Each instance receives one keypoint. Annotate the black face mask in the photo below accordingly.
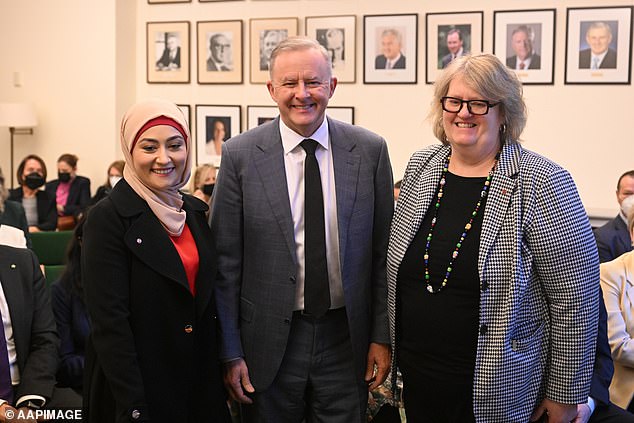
(63, 176)
(208, 189)
(34, 180)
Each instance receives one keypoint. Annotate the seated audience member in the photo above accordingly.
(613, 238)
(28, 348)
(71, 316)
(12, 214)
(617, 282)
(397, 190)
(115, 174)
(71, 191)
(39, 205)
(202, 182)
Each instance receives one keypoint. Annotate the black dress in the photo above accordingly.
(438, 333)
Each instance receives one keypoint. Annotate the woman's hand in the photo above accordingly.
(556, 412)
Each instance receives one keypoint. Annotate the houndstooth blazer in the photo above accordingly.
(539, 280)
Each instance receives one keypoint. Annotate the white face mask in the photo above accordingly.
(627, 205)
(113, 180)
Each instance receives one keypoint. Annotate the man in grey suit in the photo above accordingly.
(290, 362)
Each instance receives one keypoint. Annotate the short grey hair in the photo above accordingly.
(299, 43)
(485, 74)
(392, 31)
(599, 25)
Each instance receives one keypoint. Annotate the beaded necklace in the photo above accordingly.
(474, 213)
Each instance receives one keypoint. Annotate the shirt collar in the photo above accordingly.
(291, 139)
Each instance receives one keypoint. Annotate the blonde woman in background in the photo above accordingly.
(202, 183)
(617, 282)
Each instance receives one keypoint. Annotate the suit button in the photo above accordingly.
(292, 279)
(484, 285)
(287, 321)
(189, 328)
(135, 414)
(483, 329)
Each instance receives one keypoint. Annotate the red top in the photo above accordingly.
(187, 250)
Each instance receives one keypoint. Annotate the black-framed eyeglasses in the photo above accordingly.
(475, 107)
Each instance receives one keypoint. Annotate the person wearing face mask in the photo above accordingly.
(71, 191)
(115, 174)
(14, 230)
(39, 205)
(203, 182)
(613, 239)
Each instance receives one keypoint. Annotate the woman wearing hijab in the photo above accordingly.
(149, 267)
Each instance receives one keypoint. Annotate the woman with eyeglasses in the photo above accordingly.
(492, 267)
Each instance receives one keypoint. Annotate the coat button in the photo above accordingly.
(483, 329)
(293, 279)
(135, 414)
(287, 321)
(139, 240)
(189, 328)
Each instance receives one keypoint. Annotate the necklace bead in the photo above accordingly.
(467, 227)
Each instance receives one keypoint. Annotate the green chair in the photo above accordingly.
(50, 249)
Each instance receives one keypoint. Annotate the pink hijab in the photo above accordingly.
(165, 204)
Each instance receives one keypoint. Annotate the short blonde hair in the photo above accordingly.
(199, 176)
(485, 74)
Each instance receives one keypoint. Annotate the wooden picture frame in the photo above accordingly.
(443, 28)
(265, 35)
(167, 1)
(341, 113)
(258, 115)
(525, 41)
(384, 62)
(208, 118)
(611, 30)
(337, 34)
(167, 52)
(220, 52)
(187, 111)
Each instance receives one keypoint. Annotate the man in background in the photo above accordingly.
(455, 45)
(613, 239)
(220, 53)
(392, 57)
(171, 58)
(522, 44)
(599, 55)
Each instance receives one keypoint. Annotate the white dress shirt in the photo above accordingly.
(294, 157)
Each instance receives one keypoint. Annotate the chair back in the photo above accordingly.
(50, 247)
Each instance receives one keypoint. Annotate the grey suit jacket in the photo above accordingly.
(257, 264)
(32, 321)
(539, 273)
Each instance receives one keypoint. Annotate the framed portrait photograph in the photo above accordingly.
(257, 115)
(525, 41)
(214, 126)
(390, 49)
(341, 113)
(598, 45)
(219, 52)
(187, 111)
(338, 36)
(266, 34)
(450, 35)
(168, 52)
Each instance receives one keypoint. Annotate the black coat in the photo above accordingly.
(152, 352)
(46, 208)
(78, 196)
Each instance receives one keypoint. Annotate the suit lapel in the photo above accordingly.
(420, 193)
(502, 188)
(346, 168)
(268, 159)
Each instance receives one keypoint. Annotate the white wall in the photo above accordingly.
(83, 64)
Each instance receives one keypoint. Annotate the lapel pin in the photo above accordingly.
(139, 240)
(13, 266)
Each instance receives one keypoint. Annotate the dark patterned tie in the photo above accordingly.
(316, 286)
(6, 389)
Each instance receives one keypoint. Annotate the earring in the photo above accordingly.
(503, 128)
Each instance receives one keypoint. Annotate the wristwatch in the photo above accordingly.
(33, 405)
